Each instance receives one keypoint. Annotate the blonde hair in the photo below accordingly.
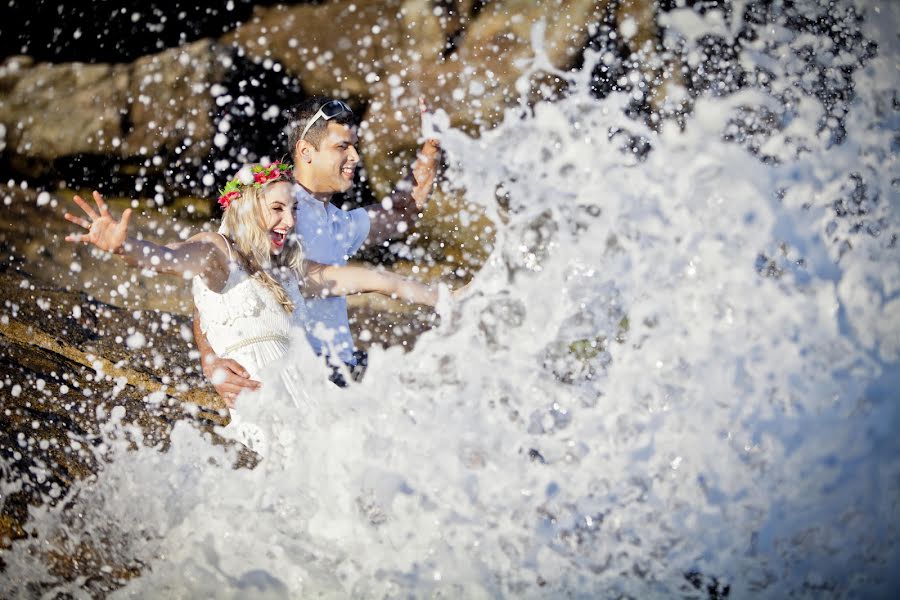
(244, 223)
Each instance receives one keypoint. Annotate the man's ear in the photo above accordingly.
(303, 151)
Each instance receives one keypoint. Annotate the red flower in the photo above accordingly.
(259, 177)
(226, 199)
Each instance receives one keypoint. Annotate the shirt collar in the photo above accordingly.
(303, 196)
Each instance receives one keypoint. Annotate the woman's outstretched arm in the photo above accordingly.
(331, 280)
(199, 255)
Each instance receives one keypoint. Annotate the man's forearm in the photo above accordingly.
(408, 202)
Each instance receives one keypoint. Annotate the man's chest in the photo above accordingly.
(321, 236)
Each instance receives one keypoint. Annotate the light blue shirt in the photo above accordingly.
(330, 236)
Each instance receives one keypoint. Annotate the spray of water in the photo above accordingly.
(672, 368)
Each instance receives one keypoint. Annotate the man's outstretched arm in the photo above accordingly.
(409, 198)
(226, 375)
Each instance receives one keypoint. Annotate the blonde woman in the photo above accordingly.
(247, 279)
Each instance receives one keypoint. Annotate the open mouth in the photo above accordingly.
(278, 237)
(347, 172)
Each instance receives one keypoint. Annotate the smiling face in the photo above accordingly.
(331, 168)
(278, 205)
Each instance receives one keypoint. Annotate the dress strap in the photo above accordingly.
(228, 244)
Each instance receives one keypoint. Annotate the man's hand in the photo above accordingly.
(391, 220)
(228, 378)
(424, 170)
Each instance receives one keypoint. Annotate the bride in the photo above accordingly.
(248, 280)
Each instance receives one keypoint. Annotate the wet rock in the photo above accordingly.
(159, 105)
(53, 110)
(66, 368)
(167, 118)
(169, 101)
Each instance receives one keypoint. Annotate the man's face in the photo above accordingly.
(334, 163)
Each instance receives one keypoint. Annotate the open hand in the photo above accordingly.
(103, 230)
(424, 170)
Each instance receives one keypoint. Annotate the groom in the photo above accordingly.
(322, 137)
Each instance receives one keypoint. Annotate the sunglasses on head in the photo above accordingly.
(327, 111)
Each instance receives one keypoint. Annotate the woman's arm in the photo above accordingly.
(331, 280)
(199, 255)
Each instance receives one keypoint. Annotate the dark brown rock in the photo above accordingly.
(465, 56)
(66, 367)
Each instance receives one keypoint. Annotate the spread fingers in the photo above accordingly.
(100, 203)
(85, 207)
(77, 220)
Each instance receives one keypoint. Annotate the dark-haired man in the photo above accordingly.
(322, 138)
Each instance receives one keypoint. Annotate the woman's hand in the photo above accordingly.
(103, 230)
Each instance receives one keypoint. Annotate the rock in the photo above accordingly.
(466, 59)
(465, 56)
(160, 105)
(65, 370)
(331, 47)
(12, 70)
(42, 123)
(170, 105)
(33, 238)
(66, 360)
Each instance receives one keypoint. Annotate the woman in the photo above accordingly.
(247, 280)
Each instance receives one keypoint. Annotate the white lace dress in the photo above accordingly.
(246, 323)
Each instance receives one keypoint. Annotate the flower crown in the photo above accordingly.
(257, 175)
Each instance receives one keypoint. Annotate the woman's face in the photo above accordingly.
(278, 213)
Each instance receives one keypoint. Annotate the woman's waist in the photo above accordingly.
(234, 344)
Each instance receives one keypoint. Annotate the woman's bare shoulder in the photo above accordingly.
(208, 236)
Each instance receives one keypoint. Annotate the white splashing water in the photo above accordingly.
(628, 396)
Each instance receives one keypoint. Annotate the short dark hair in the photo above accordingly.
(299, 115)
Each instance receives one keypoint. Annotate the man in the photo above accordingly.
(322, 137)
